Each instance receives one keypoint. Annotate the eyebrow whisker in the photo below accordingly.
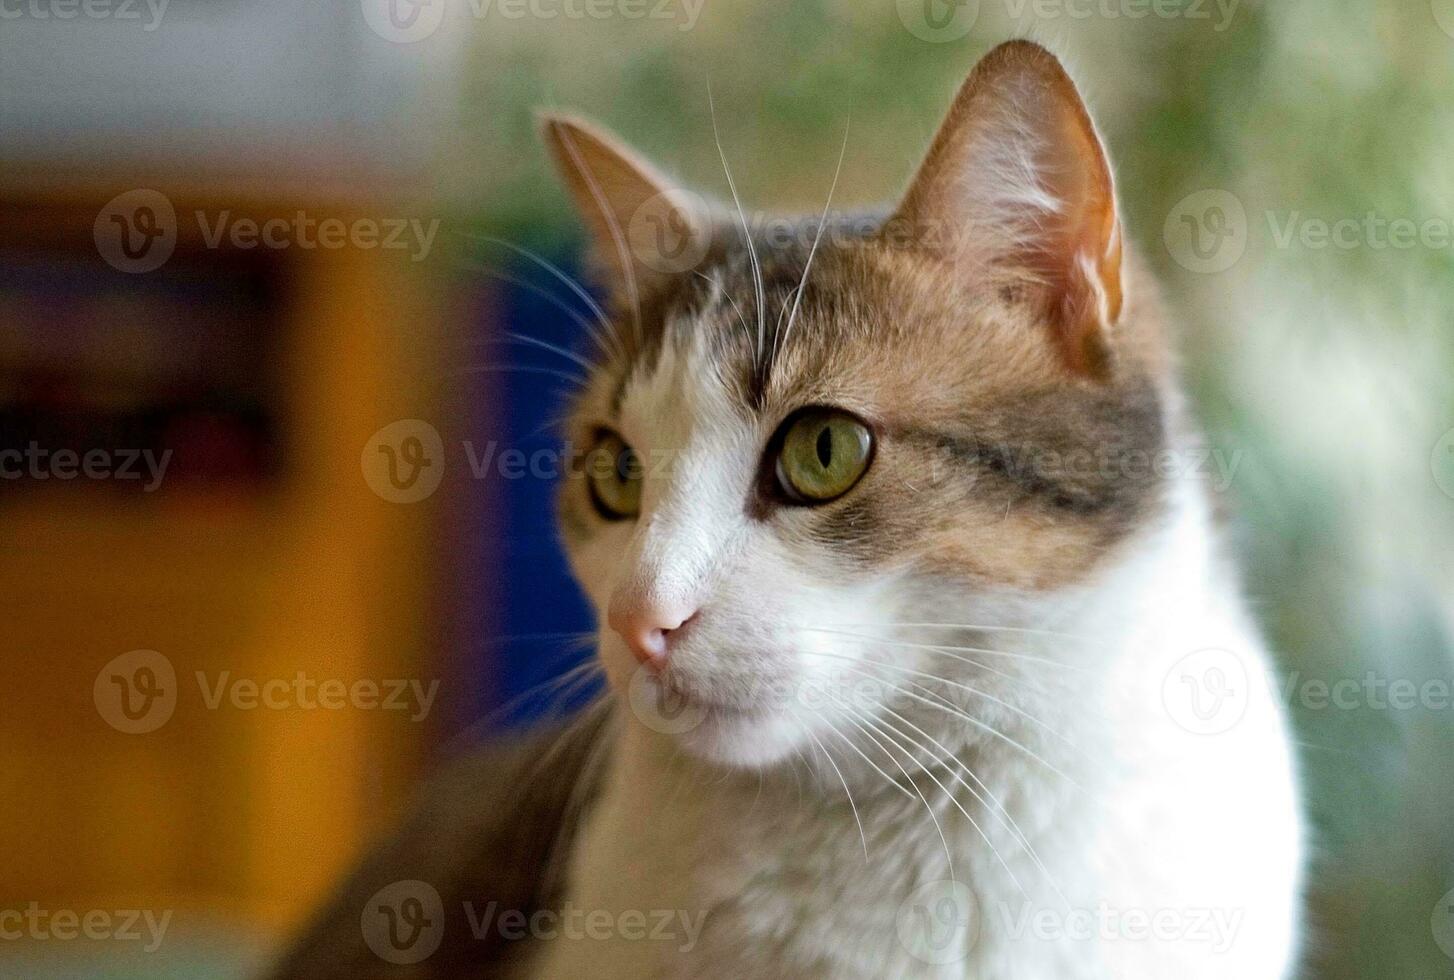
(822, 221)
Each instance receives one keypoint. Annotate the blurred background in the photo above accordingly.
(269, 555)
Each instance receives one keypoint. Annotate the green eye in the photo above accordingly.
(613, 473)
(824, 453)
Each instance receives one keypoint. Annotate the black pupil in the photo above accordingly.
(825, 446)
(623, 466)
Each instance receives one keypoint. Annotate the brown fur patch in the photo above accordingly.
(994, 463)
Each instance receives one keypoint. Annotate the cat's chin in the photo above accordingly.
(742, 739)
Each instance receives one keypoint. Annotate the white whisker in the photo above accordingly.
(746, 231)
(891, 780)
(472, 731)
(963, 687)
(733, 300)
(948, 856)
(574, 379)
(953, 800)
(944, 647)
(853, 806)
(575, 287)
(558, 853)
(998, 810)
(988, 729)
(781, 338)
(973, 627)
(586, 325)
(569, 355)
(793, 761)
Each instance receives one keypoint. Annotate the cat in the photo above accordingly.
(905, 573)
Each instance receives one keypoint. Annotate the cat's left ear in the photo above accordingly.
(1016, 189)
(642, 229)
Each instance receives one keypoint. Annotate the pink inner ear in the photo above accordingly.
(1089, 304)
(1017, 165)
(1085, 267)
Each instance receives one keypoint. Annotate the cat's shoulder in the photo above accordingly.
(494, 825)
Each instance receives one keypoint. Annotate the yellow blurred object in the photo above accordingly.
(223, 809)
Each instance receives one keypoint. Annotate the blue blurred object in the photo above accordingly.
(520, 604)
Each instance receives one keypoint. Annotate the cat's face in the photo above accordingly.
(788, 471)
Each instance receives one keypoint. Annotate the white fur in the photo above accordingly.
(746, 819)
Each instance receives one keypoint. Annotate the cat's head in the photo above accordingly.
(804, 443)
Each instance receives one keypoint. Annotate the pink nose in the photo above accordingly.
(645, 625)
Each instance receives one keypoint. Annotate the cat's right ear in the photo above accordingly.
(1017, 184)
(643, 230)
